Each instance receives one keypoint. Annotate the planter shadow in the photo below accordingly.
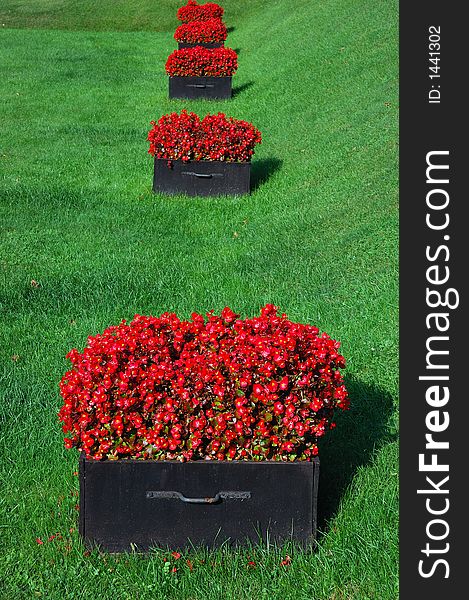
(237, 50)
(230, 29)
(262, 170)
(360, 432)
(241, 88)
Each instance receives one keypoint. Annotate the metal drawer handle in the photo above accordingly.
(214, 500)
(200, 85)
(202, 175)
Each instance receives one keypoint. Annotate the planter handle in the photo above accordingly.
(214, 500)
(200, 85)
(202, 175)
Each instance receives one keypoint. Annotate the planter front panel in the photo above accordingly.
(203, 44)
(193, 88)
(144, 503)
(201, 178)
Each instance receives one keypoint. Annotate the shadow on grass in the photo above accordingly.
(262, 170)
(360, 431)
(230, 29)
(241, 88)
(237, 50)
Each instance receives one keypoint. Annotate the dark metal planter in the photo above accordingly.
(203, 44)
(202, 178)
(144, 504)
(193, 88)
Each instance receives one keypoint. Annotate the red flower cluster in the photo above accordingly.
(199, 12)
(207, 32)
(215, 137)
(202, 62)
(216, 388)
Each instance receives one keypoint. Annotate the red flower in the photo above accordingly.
(176, 555)
(286, 562)
(215, 137)
(202, 62)
(207, 32)
(199, 12)
(218, 388)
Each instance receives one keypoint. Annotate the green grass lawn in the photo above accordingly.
(84, 243)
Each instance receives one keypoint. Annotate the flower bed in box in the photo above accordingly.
(209, 34)
(215, 423)
(205, 157)
(193, 11)
(201, 72)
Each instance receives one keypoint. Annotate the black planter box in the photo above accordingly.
(202, 178)
(203, 44)
(193, 88)
(139, 504)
